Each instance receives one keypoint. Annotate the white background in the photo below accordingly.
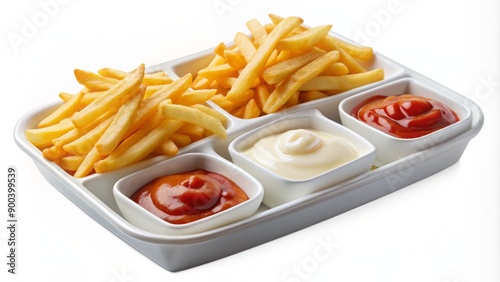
(442, 229)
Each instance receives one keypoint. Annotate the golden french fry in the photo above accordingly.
(328, 44)
(120, 124)
(244, 98)
(167, 147)
(288, 54)
(216, 85)
(220, 48)
(284, 69)
(86, 142)
(112, 73)
(238, 112)
(150, 79)
(152, 89)
(251, 110)
(93, 81)
(261, 95)
(54, 153)
(245, 46)
(227, 105)
(102, 103)
(89, 97)
(275, 19)
(228, 82)
(292, 84)
(216, 60)
(335, 69)
(359, 52)
(258, 61)
(221, 101)
(137, 135)
(158, 78)
(269, 27)
(140, 150)
(311, 95)
(193, 130)
(65, 97)
(76, 133)
(235, 59)
(257, 30)
(216, 114)
(343, 82)
(149, 105)
(67, 137)
(42, 137)
(273, 59)
(87, 165)
(202, 83)
(180, 140)
(64, 111)
(304, 40)
(195, 97)
(217, 71)
(194, 116)
(70, 163)
(292, 101)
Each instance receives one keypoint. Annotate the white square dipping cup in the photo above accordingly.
(278, 189)
(390, 148)
(143, 219)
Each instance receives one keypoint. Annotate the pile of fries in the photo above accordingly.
(282, 64)
(120, 118)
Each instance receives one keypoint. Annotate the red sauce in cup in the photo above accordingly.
(404, 116)
(190, 196)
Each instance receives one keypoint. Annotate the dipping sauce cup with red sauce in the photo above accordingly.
(187, 194)
(404, 117)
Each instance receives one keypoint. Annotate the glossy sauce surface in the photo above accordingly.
(301, 153)
(404, 116)
(190, 196)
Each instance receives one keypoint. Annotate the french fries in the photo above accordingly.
(270, 63)
(120, 117)
(140, 150)
(114, 121)
(259, 59)
(120, 123)
(284, 69)
(115, 94)
(42, 137)
(304, 40)
(194, 116)
(292, 84)
(342, 83)
(71, 106)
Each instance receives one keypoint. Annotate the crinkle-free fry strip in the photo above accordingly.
(259, 59)
(101, 104)
(141, 149)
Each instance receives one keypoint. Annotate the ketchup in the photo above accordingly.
(187, 197)
(404, 116)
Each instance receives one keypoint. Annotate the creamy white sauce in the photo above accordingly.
(301, 153)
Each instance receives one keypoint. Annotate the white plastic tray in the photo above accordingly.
(93, 194)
